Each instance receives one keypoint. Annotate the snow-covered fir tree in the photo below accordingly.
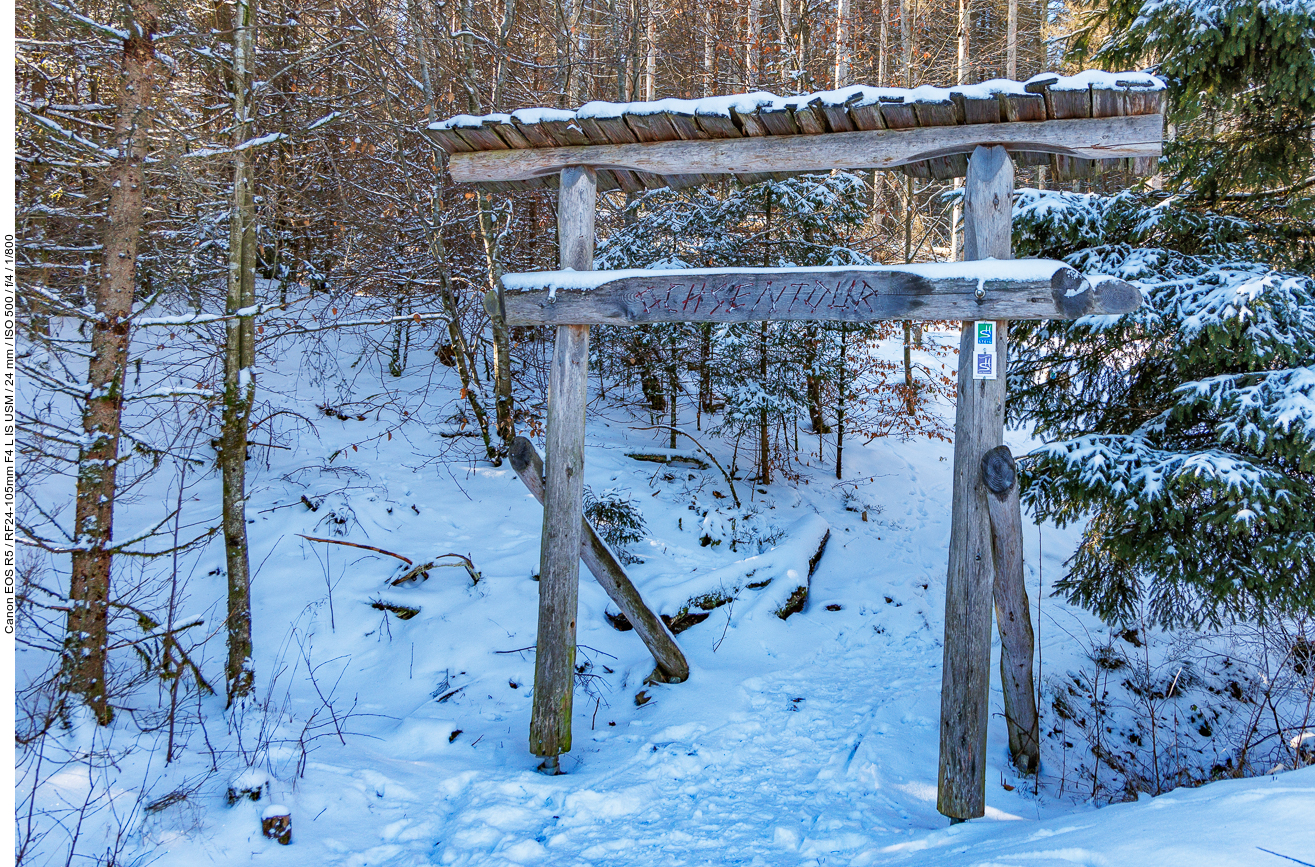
(1185, 431)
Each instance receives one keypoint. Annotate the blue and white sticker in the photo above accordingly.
(984, 355)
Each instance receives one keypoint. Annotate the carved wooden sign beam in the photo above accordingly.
(1089, 138)
(1019, 289)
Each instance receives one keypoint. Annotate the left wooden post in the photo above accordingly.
(559, 556)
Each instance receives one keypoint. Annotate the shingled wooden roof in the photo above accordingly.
(1042, 98)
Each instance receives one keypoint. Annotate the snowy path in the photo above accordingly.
(811, 741)
(780, 775)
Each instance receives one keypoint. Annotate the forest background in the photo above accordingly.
(203, 187)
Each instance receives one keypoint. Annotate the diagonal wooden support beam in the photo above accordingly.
(611, 575)
(1012, 617)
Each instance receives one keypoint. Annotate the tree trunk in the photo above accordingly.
(673, 382)
(397, 353)
(906, 39)
(85, 646)
(910, 385)
(813, 381)
(910, 402)
(965, 24)
(461, 357)
(841, 386)
(764, 438)
(1011, 41)
(500, 70)
(503, 402)
(650, 56)
(842, 44)
(883, 46)
(707, 51)
(239, 361)
(570, 65)
(705, 369)
(751, 44)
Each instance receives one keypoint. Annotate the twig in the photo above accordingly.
(405, 560)
(727, 476)
(730, 609)
(1288, 857)
(424, 568)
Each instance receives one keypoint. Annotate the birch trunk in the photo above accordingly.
(707, 52)
(1011, 41)
(751, 53)
(965, 24)
(883, 45)
(650, 57)
(239, 361)
(842, 43)
(85, 646)
(503, 403)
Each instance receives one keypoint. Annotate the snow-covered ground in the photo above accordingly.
(811, 740)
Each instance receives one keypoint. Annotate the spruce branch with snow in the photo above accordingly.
(1184, 431)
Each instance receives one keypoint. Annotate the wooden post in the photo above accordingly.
(559, 557)
(1000, 474)
(671, 664)
(978, 427)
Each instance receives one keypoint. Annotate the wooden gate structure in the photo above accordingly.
(1077, 125)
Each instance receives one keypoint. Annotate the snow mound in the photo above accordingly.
(772, 577)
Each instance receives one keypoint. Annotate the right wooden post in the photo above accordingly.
(978, 428)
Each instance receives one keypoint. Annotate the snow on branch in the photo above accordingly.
(269, 138)
(1133, 469)
(103, 29)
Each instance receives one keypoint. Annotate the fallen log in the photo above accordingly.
(667, 456)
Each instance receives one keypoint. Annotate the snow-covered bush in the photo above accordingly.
(616, 516)
(738, 528)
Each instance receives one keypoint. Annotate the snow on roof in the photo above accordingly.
(859, 94)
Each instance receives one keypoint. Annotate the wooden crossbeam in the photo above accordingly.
(1087, 138)
(1039, 289)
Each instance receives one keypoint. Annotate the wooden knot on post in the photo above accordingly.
(1075, 296)
(522, 456)
(999, 471)
(276, 823)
